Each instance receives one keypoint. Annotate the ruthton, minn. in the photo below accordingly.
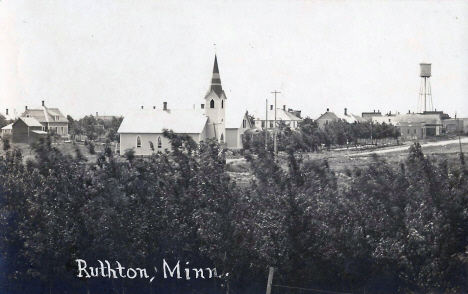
(106, 271)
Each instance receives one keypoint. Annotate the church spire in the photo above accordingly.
(216, 80)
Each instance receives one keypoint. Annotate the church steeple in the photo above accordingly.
(216, 80)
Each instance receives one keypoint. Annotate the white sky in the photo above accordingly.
(111, 56)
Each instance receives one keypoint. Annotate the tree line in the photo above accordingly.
(310, 137)
(383, 228)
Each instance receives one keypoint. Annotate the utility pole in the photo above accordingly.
(270, 279)
(275, 126)
(266, 126)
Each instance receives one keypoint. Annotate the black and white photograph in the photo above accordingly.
(233, 147)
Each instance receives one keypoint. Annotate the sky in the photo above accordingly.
(110, 57)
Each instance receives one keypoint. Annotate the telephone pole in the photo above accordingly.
(266, 126)
(274, 130)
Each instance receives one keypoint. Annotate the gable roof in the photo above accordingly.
(7, 127)
(281, 114)
(234, 120)
(30, 121)
(350, 118)
(45, 114)
(182, 121)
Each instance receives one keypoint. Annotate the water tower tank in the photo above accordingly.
(425, 69)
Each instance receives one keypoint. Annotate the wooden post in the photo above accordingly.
(270, 280)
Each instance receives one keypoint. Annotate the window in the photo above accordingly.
(138, 142)
(222, 138)
(212, 103)
(415, 131)
(159, 142)
(271, 124)
(263, 123)
(222, 103)
(408, 131)
(56, 118)
(244, 123)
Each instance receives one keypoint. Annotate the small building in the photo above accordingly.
(51, 119)
(453, 125)
(236, 126)
(27, 130)
(6, 131)
(329, 116)
(288, 117)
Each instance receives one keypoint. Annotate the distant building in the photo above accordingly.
(6, 131)
(27, 130)
(414, 126)
(106, 118)
(8, 116)
(369, 115)
(329, 116)
(289, 117)
(51, 119)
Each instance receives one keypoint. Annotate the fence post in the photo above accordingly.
(270, 279)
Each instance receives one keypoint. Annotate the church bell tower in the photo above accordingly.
(215, 106)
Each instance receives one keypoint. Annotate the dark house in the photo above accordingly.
(27, 130)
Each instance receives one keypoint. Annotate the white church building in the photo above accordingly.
(142, 129)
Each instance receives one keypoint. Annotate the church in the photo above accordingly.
(142, 129)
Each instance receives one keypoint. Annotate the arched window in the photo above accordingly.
(222, 138)
(159, 142)
(138, 142)
(212, 103)
(222, 103)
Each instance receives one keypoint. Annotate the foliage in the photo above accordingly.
(383, 227)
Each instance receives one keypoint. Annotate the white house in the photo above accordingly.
(329, 116)
(141, 127)
(6, 130)
(286, 116)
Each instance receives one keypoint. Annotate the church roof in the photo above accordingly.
(216, 79)
(150, 121)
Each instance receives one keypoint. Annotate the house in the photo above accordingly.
(329, 116)
(142, 130)
(267, 120)
(236, 126)
(6, 131)
(27, 130)
(51, 119)
(8, 116)
(414, 126)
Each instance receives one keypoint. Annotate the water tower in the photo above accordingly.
(425, 93)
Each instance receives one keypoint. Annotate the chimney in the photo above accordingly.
(271, 107)
(284, 107)
(328, 109)
(97, 114)
(141, 107)
(390, 112)
(346, 111)
(409, 111)
(43, 103)
(25, 108)
(7, 111)
(378, 111)
(374, 110)
(202, 106)
(154, 107)
(164, 105)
